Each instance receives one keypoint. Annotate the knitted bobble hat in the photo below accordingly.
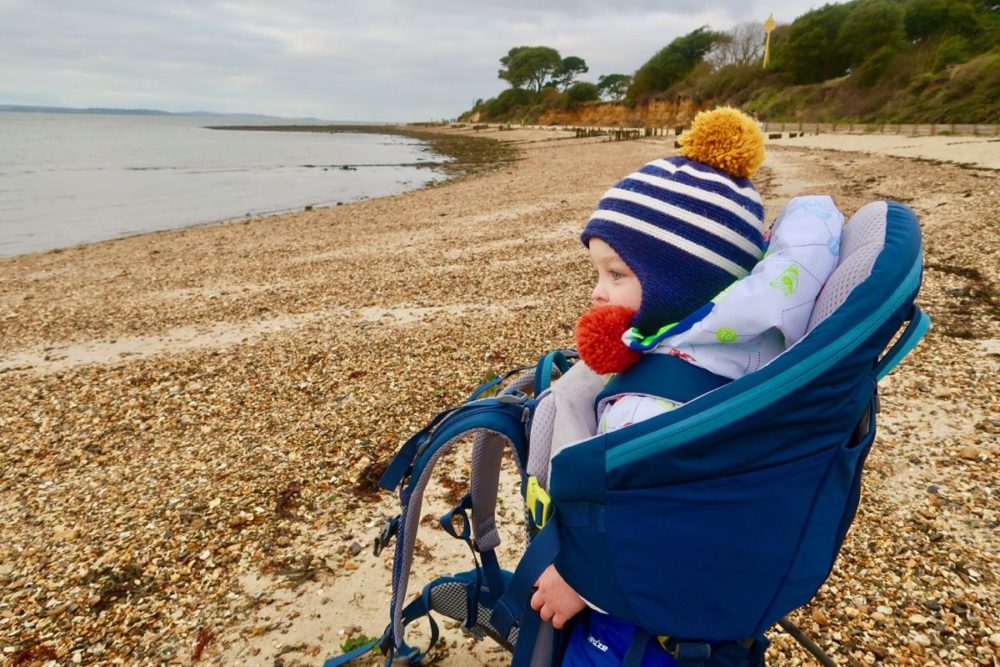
(688, 226)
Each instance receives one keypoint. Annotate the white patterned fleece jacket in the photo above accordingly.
(759, 317)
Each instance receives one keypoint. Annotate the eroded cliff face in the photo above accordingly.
(611, 114)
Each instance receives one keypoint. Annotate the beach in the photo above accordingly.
(194, 421)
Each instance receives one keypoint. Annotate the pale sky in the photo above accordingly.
(374, 60)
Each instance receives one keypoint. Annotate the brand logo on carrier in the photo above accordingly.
(601, 646)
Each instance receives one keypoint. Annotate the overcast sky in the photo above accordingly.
(375, 60)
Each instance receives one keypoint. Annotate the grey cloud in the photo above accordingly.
(378, 59)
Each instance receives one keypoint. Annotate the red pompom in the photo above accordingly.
(599, 339)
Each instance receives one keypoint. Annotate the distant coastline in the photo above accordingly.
(106, 111)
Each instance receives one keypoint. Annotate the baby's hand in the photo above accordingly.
(554, 599)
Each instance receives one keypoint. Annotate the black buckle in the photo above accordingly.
(388, 531)
(685, 651)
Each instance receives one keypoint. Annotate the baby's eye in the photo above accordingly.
(615, 275)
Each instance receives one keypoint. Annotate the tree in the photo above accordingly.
(929, 17)
(530, 66)
(872, 25)
(571, 67)
(613, 86)
(582, 91)
(743, 45)
(672, 63)
(809, 51)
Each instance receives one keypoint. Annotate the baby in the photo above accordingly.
(678, 248)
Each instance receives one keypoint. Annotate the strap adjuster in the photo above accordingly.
(685, 651)
(538, 503)
(390, 528)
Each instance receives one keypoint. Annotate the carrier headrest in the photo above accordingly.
(860, 245)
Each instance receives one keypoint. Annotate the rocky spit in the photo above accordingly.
(192, 423)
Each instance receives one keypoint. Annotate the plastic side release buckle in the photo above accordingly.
(391, 528)
(538, 502)
(685, 651)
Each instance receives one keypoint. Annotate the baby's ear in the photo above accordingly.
(599, 339)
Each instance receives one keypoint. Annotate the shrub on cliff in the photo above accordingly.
(671, 64)
(582, 91)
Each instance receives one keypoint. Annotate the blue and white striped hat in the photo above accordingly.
(688, 230)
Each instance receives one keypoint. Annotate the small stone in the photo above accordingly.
(851, 612)
(355, 549)
(969, 453)
(283, 541)
(922, 640)
(63, 534)
(58, 610)
(917, 619)
(819, 617)
(995, 639)
(882, 609)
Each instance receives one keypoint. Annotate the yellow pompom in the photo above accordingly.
(726, 139)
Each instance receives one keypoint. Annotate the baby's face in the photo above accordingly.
(616, 284)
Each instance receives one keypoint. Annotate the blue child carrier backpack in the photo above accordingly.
(744, 494)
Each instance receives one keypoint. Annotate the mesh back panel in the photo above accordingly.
(865, 227)
(860, 245)
(449, 599)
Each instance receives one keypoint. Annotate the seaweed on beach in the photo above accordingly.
(468, 155)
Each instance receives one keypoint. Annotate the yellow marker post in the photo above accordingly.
(769, 25)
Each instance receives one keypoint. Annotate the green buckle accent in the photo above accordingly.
(539, 503)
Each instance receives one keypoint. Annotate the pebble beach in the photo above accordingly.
(193, 423)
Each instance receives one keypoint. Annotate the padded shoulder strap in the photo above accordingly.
(663, 375)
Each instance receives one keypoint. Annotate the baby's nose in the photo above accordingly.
(598, 297)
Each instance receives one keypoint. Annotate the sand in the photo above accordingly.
(971, 151)
(192, 421)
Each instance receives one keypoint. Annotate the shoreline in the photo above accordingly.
(204, 488)
(461, 158)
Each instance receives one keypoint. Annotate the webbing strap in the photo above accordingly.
(404, 653)
(343, 659)
(541, 553)
(637, 648)
(527, 636)
(503, 416)
(492, 571)
(649, 376)
(544, 369)
(914, 331)
(403, 460)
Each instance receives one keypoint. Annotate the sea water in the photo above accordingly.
(68, 179)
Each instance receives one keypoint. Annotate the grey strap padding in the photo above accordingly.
(490, 447)
(860, 245)
(564, 416)
(542, 423)
(484, 476)
(401, 571)
(541, 656)
(487, 455)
